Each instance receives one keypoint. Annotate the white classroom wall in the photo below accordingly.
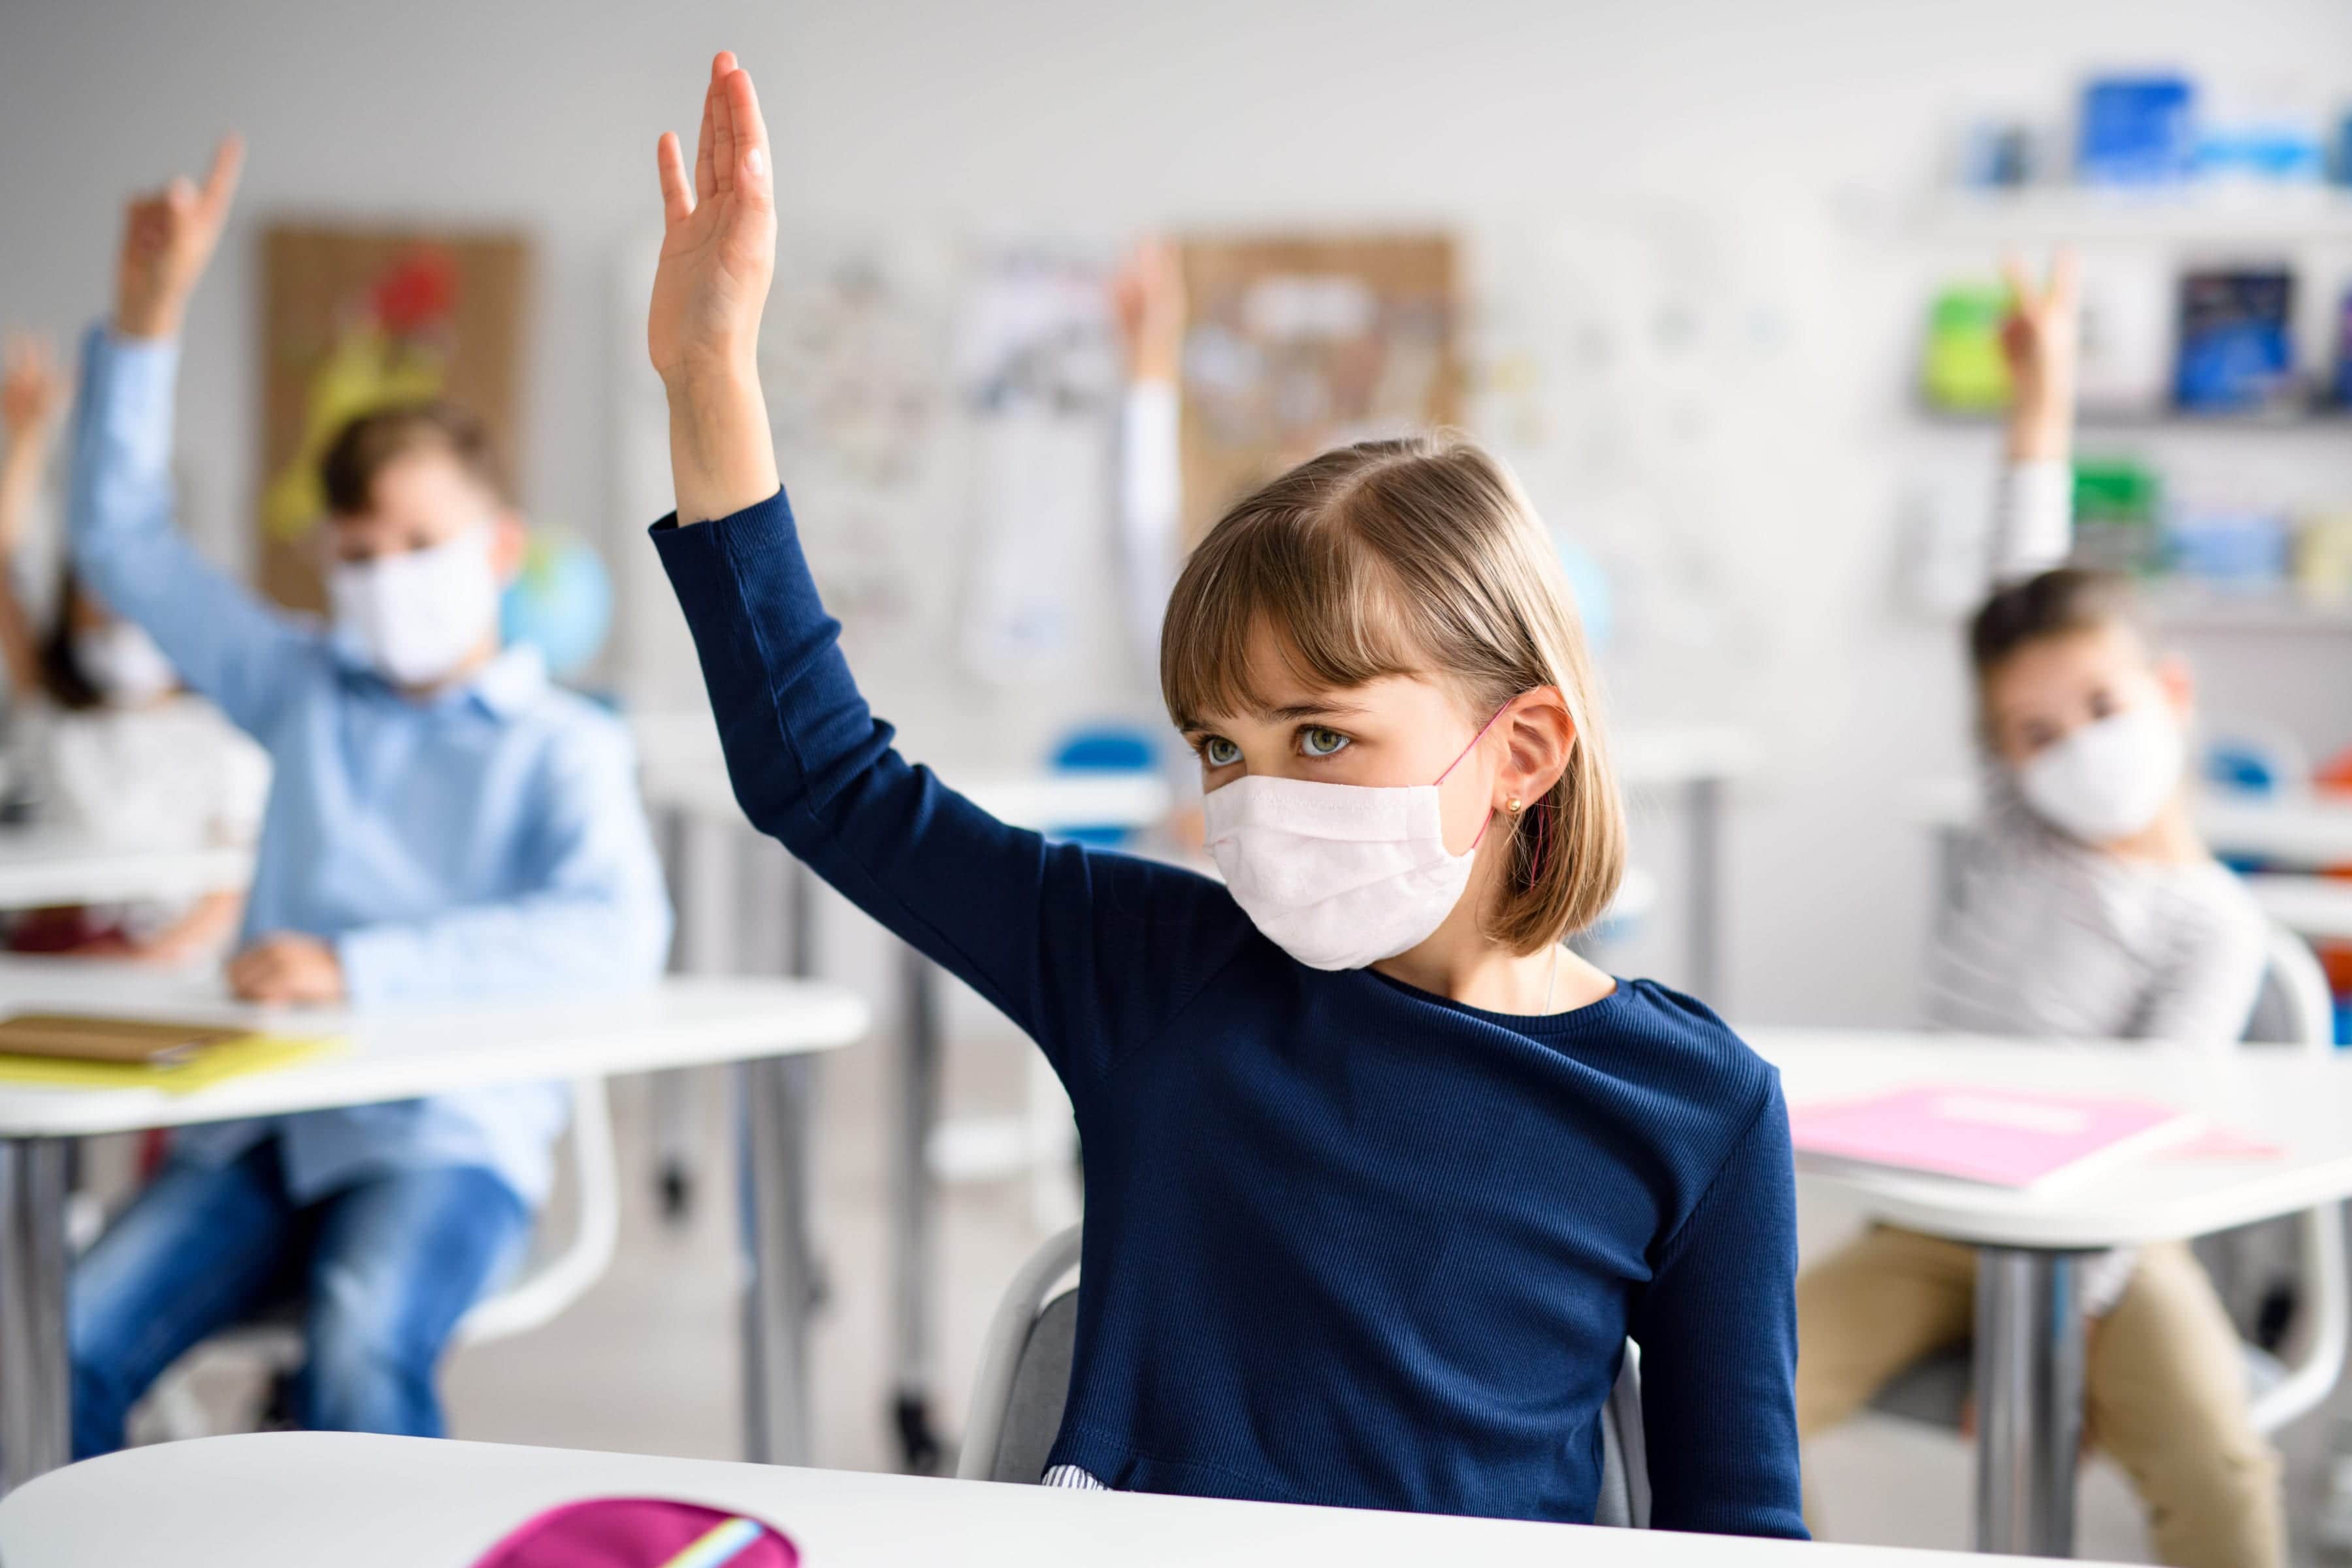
(1778, 120)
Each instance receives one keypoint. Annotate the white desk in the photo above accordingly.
(2028, 1334)
(297, 1497)
(2303, 830)
(2315, 907)
(44, 866)
(400, 1055)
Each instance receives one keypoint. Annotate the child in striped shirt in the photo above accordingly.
(2085, 904)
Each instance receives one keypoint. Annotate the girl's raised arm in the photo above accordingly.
(719, 251)
(1091, 953)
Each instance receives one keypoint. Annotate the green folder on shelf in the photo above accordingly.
(88, 1051)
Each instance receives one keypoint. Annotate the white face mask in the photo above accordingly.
(1338, 876)
(2109, 778)
(124, 662)
(415, 615)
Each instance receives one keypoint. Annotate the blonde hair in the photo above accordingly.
(1413, 557)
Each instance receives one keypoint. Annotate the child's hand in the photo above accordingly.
(1148, 296)
(719, 251)
(32, 389)
(167, 238)
(2042, 339)
(287, 967)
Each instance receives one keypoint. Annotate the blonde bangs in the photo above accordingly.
(1327, 602)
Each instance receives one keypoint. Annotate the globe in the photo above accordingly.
(561, 603)
(1589, 585)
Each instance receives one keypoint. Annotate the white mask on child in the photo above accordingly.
(2107, 779)
(122, 661)
(417, 614)
(1338, 876)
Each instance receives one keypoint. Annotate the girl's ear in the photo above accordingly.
(1538, 737)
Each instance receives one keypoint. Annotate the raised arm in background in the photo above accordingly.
(223, 640)
(1148, 298)
(2033, 520)
(32, 399)
(1088, 953)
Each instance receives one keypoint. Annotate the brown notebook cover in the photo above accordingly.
(155, 1043)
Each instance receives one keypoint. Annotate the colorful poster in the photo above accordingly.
(358, 319)
(1297, 344)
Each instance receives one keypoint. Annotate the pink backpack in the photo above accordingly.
(641, 1532)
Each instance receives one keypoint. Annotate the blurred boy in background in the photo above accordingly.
(443, 825)
(2087, 906)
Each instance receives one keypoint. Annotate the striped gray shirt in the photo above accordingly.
(2041, 935)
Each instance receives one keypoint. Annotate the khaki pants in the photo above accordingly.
(2165, 1395)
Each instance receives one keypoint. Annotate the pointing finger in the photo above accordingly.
(220, 180)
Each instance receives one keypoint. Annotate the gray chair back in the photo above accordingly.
(1022, 1427)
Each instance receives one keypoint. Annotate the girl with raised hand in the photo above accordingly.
(1380, 1177)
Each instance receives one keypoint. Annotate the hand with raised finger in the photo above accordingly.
(32, 388)
(167, 239)
(1148, 297)
(718, 254)
(2042, 341)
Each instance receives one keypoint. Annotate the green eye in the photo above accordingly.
(1321, 742)
(1220, 752)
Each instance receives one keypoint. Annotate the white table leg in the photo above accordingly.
(2029, 1373)
(914, 1205)
(36, 1377)
(774, 1122)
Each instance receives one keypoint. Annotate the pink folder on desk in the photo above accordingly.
(2002, 1137)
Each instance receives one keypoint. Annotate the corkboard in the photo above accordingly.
(1293, 344)
(355, 319)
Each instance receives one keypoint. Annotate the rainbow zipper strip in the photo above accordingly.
(722, 1542)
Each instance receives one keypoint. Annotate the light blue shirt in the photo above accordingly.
(488, 843)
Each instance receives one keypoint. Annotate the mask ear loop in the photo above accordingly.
(1457, 762)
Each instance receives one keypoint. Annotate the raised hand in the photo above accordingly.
(718, 235)
(167, 238)
(719, 251)
(32, 389)
(1148, 296)
(2042, 341)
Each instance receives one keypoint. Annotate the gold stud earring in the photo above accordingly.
(1512, 805)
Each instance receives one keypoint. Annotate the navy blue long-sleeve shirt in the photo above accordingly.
(1346, 1242)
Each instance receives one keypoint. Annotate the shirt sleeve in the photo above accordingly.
(594, 917)
(2204, 996)
(1088, 952)
(2033, 520)
(225, 642)
(1717, 1328)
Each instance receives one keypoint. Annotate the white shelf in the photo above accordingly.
(2184, 609)
(2289, 215)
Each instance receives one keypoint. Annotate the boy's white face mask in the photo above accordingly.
(1338, 876)
(2107, 779)
(418, 615)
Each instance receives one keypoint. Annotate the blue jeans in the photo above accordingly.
(383, 1269)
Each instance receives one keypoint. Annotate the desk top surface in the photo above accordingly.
(41, 866)
(2276, 1095)
(400, 1054)
(377, 1502)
